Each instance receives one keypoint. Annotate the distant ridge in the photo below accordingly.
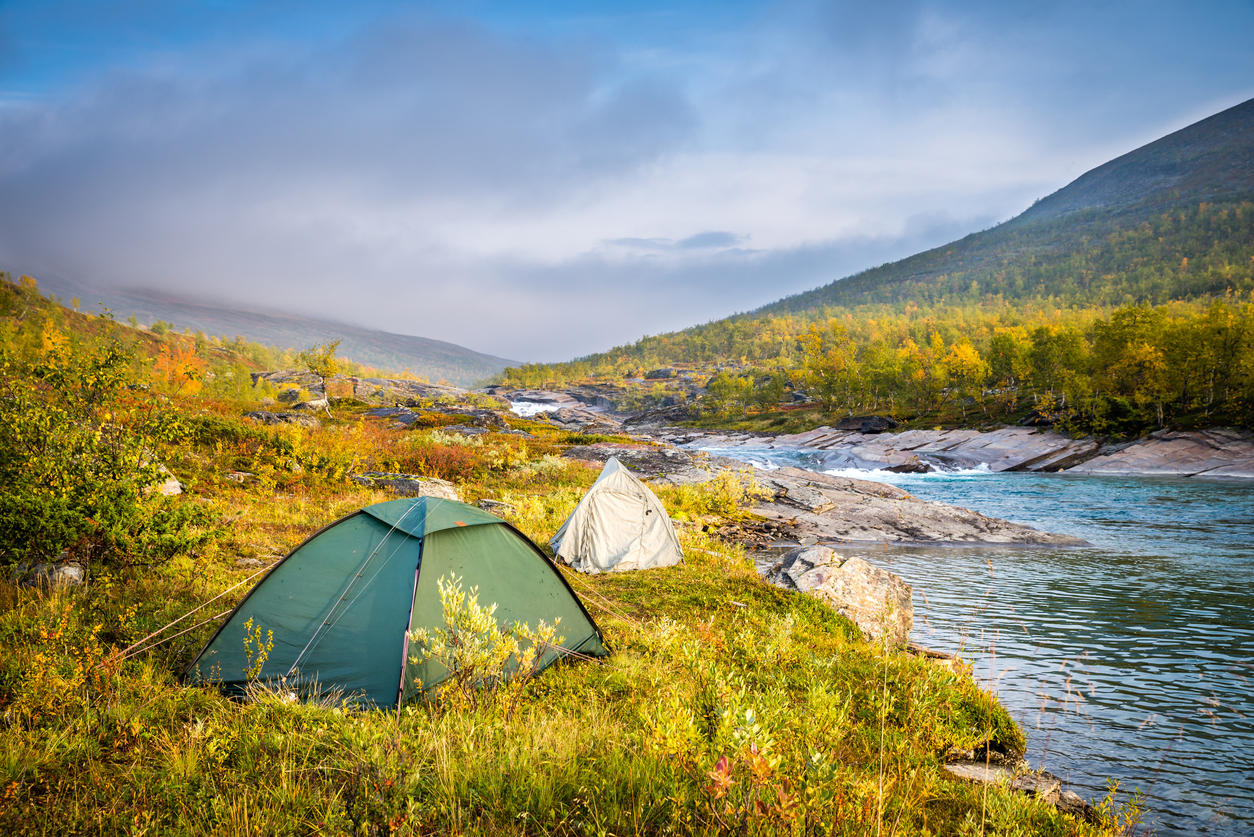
(434, 359)
(1210, 160)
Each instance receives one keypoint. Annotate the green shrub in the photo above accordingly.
(77, 456)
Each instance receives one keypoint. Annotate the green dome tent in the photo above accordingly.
(342, 603)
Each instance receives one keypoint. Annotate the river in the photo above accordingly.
(1131, 661)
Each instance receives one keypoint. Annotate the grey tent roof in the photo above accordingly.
(618, 525)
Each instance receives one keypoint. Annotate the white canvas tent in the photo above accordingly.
(618, 525)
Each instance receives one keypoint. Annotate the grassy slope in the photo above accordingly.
(728, 705)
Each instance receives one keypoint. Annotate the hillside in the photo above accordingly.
(1115, 235)
(1119, 304)
(433, 359)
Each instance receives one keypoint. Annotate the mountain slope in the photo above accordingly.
(434, 359)
(1087, 231)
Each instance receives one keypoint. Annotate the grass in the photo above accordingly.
(728, 705)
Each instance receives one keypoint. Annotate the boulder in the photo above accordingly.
(64, 572)
(877, 601)
(913, 465)
(867, 424)
(660, 374)
(408, 485)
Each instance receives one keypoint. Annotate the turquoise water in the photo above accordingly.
(1132, 660)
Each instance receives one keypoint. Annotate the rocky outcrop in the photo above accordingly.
(820, 508)
(409, 485)
(1219, 452)
(664, 465)
(584, 420)
(877, 601)
(267, 417)
(388, 391)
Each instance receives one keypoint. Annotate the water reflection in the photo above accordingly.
(1131, 660)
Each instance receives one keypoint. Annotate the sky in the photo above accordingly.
(545, 180)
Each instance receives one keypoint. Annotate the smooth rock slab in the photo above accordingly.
(865, 511)
(1216, 452)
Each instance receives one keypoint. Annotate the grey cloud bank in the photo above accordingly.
(541, 195)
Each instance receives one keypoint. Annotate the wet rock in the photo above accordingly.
(877, 601)
(408, 485)
(1037, 419)
(913, 465)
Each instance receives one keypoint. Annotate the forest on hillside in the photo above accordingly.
(1143, 328)
(1083, 259)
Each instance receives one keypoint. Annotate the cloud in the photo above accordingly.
(541, 186)
(712, 240)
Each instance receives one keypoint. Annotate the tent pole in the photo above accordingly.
(400, 689)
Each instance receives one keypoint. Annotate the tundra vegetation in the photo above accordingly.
(727, 706)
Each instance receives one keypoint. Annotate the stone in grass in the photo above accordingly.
(409, 485)
(875, 600)
(64, 572)
(1044, 786)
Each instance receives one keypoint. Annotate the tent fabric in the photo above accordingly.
(619, 525)
(341, 603)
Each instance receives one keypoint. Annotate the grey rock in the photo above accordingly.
(497, 507)
(1073, 804)
(50, 575)
(1217, 452)
(409, 485)
(877, 601)
(269, 418)
(865, 511)
(464, 430)
(170, 487)
(867, 424)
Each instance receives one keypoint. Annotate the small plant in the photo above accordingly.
(256, 651)
(484, 661)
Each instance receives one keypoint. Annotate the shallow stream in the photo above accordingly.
(1132, 660)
